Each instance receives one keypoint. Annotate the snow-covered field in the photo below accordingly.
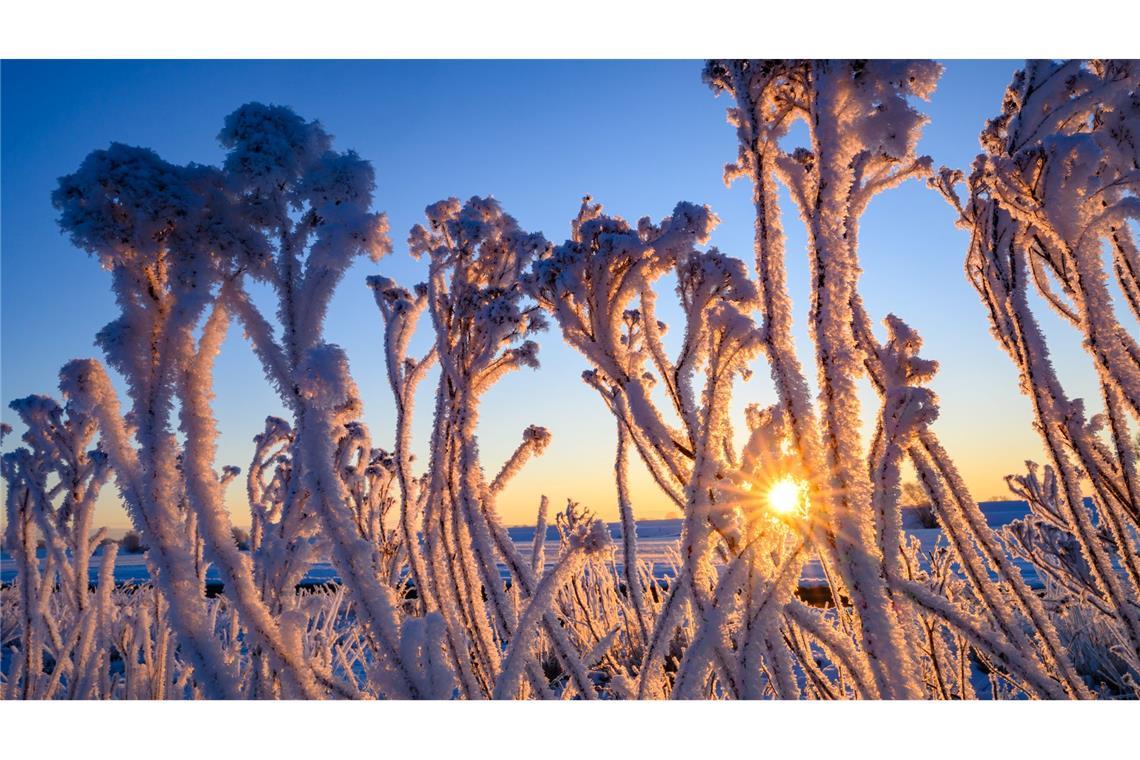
(657, 544)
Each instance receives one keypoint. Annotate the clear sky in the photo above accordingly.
(638, 136)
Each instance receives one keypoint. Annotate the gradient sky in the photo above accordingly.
(638, 136)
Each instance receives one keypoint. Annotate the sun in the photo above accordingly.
(785, 496)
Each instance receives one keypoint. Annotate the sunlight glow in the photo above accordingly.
(785, 496)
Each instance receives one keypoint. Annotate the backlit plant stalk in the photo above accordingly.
(1055, 186)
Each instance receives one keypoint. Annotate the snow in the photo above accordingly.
(657, 545)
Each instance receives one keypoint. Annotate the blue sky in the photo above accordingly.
(638, 136)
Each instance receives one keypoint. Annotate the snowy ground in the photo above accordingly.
(657, 543)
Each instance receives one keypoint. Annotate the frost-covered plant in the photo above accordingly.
(400, 312)
(167, 234)
(370, 475)
(483, 326)
(331, 403)
(310, 207)
(599, 288)
(862, 132)
(1051, 197)
(176, 240)
(582, 538)
(52, 483)
(1072, 594)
